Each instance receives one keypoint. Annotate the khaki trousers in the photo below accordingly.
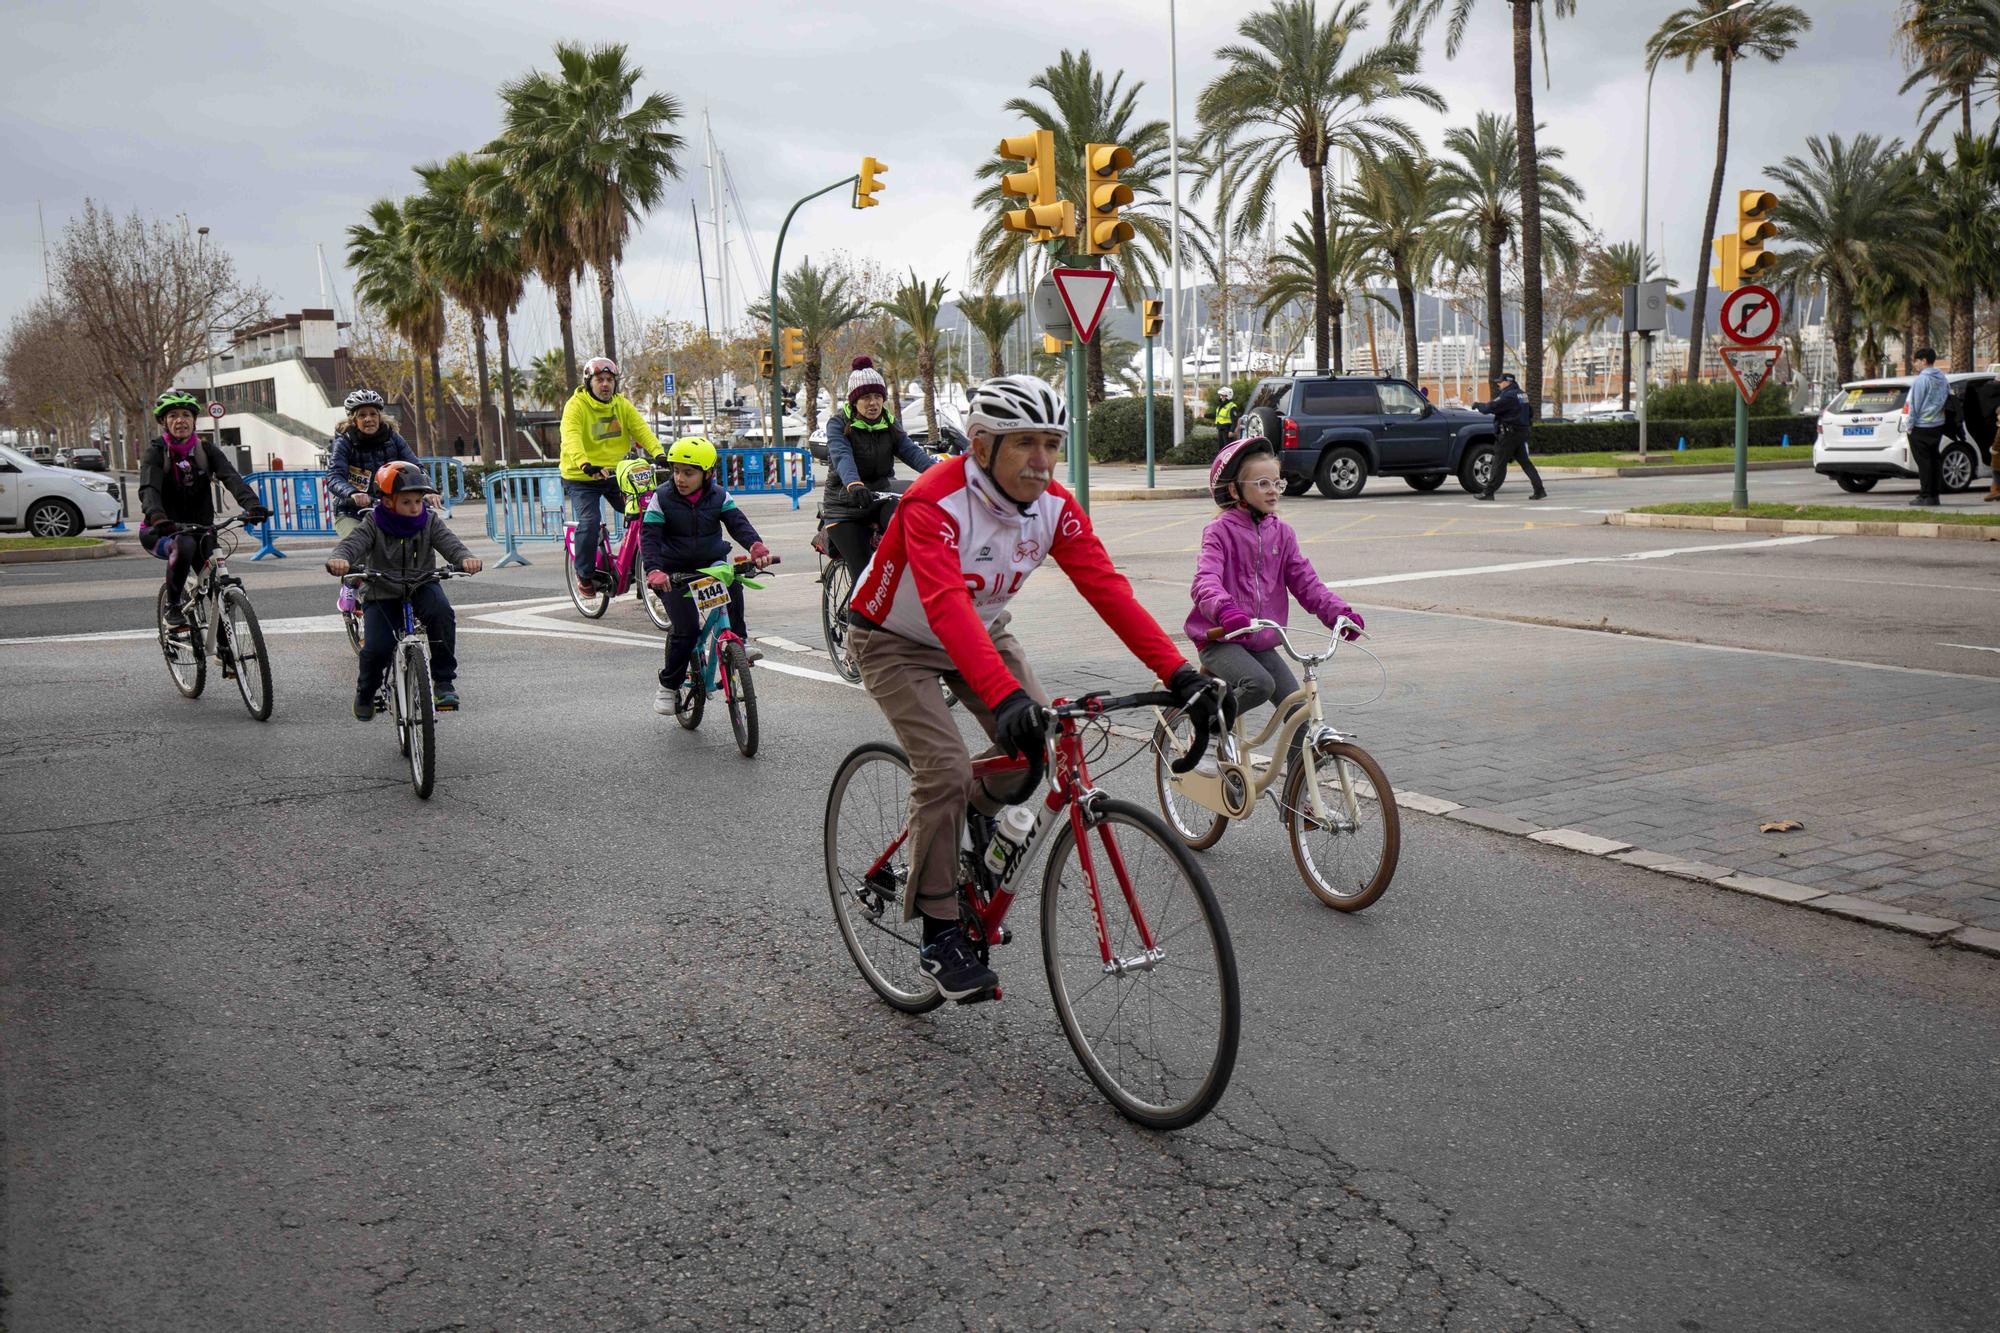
(902, 677)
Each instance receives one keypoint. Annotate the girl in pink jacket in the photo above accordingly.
(1250, 567)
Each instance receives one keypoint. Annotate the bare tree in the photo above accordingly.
(48, 367)
(145, 294)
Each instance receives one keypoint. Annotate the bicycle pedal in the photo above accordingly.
(444, 708)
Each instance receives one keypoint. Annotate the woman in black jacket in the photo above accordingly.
(863, 443)
(174, 489)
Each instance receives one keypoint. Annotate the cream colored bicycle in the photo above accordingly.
(1338, 807)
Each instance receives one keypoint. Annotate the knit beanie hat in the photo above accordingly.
(864, 378)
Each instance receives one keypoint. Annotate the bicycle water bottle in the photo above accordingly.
(1013, 832)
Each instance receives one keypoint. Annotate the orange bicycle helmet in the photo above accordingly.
(402, 477)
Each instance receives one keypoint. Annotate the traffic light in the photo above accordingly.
(1753, 228)
(766, 365)
(868, 186)
(792, 343)
(1727, 276)
(1052, 345)
(1045, 216)
(1103, 230)
(1150, 318)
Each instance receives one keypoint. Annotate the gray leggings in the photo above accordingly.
(1254, 677)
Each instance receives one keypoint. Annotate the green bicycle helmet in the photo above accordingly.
(173, 398)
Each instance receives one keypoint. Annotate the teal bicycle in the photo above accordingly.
(721, 659)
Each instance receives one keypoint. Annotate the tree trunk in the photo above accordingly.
(995, 367)
(1965, 111)
(1700, 313)
(811, 389)
(485, 387)
(604, 300)
(1322, 342)
(1625, 374)
(1496, 352)
(1531, 204)
(418, 438)
(927, 372)
(441, 442)
(1964, 319)
(506, 394)
(1337, 310)
(1841, 305)
(1920, 328)
(1406, 304)
(1093, 359)
(1559, 384)
(566, 320)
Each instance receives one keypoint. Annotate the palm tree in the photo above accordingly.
(1851, 208)
(389, 277)
(819, 302)
(1294, 276)
(1562, 341)
(1293, 94)
(549, 379)
(1726, 34)
(1082, 107)
(1483, 181)
(467, 226)
(993, 316)
(1964, 193)
(917, 304)
(1608, 271)
(576, 140)
(896, 353)
(1954, 45)
(1394, 205)
(1412, 18)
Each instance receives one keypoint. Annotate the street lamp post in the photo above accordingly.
(1645, 190)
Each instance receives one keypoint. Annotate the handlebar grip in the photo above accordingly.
(1200, 747)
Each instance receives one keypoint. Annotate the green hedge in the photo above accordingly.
(1118, 429)
(1706, 402)
(1589, 437)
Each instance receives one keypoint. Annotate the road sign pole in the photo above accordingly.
(1740, 499)
(1079, 424)
(1149, 414)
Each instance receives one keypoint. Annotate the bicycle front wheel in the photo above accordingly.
(1198, 826)
(694, 695)
(245, 639)
(186, 662)
(656, 608)
(741, 694)
(1349, 860)
(867, 811)
(1155, 1029)
(836, 589)
(421, 713)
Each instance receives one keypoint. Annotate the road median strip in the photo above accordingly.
(1814, 520)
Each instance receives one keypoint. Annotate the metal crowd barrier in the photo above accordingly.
(448, 475)
(774, 471)
(528, 505)
(299, 505)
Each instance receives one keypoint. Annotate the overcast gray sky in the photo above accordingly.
(275, 125)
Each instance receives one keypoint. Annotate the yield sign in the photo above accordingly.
(1749, 315)
(1084, 292)
(1749, 367)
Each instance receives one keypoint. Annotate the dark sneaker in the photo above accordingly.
(1539, 495)
(176, 615)
(445, 700)
(954, 968)
(364, 708)
(1920, 501)
(1482, 497)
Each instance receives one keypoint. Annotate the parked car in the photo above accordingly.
(1864, 435)
(52, 501)
(83, 460)
(1336, 431)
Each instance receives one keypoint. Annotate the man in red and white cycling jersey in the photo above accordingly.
(933, 602)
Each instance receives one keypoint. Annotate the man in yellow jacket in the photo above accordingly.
(599, 427)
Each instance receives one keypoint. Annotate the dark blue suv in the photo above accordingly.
(1336, 431)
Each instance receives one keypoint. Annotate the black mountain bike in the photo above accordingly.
(221, 624)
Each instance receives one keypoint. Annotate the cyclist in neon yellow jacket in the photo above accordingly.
(599, 428)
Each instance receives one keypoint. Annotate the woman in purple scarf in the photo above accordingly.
(174, 489)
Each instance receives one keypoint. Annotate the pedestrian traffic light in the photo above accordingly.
(1150, 318)
(766, 364)
(1754, 227)
(1046, 216)
(1103, 230)
(868, 186)
(792, 345)
(1727, 276)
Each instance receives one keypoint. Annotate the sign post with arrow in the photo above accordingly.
(1749, 319)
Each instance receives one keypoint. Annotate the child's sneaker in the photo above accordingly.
(666, 701)
(753, 653)
(445, 700)
(349, 599)
(954, 968)
(176, 615)
(364, 708)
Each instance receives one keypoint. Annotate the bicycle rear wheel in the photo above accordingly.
(186, 662)
(1198, 826)
(836, 588)
(1349, 863)
(741, 695)
(244, 638)
(867, 809)
(351, 621)
(591, 605)
(1156, 1030)
(421, 730)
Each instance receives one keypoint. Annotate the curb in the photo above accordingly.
(1672, 470)
(1963, 532)
(1118, 493)
(51, 554)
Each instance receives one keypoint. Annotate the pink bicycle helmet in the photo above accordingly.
(1223, 470)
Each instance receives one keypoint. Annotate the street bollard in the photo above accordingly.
(1785, 441)
(1682, 446)
(124, 503)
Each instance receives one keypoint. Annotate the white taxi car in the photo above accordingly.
(52, 501)
(1864, 435)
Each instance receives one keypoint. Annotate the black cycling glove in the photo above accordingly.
(254, 515)
(1196, 696)
(858, 494)
(1017, 724)
(161, 526)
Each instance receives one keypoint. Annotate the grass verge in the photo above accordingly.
(1671, 457)
(45, 543)
(1826, 513)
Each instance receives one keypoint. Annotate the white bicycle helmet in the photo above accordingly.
(1017, 402)
(361, 398)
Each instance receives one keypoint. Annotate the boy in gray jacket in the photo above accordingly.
(399, 543)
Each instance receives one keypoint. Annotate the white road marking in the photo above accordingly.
(1519, 565)
(1975, 647)
(784, 645)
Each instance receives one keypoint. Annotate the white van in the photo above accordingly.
(1864, 435)
(52, 501)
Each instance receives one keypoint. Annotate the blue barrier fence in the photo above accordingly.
(301, 506)
(448, 475)
(775, 471)
(527, 505)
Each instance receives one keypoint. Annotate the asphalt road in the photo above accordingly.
(575, 1043)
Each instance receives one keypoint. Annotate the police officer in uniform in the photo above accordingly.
(1509, 410)
(1225, 417)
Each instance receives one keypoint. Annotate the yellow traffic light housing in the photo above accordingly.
(1103, 230)
(1150, 318)
(1046, 216)
(766, 364)
(792, 345)
(1754, 227)
(1726, 275)
(1052, 345)
(869, 185)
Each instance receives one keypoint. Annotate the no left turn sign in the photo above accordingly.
(1749, 315)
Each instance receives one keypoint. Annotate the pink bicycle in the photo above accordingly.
(619, 570)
